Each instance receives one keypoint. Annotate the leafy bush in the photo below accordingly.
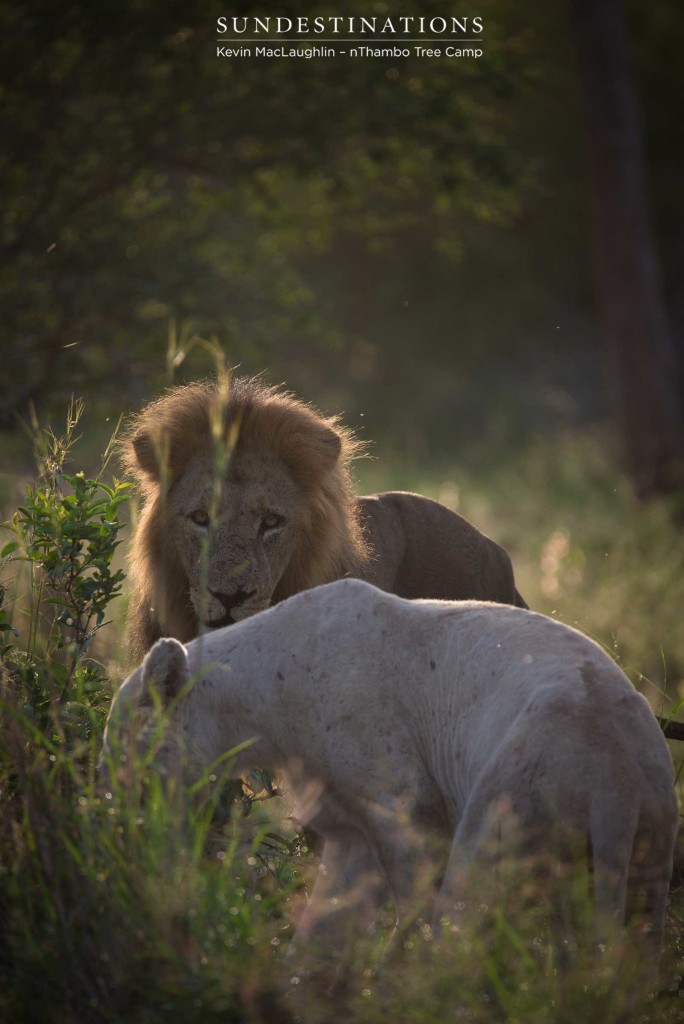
(65, 535)
(110, 905)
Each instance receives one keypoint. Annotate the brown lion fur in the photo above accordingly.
(403, 543)
(232, 419)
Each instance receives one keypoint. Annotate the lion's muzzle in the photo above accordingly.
(230, 603)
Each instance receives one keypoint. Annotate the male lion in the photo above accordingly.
(215, 545)
(424, 736)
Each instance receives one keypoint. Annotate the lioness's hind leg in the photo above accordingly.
(612, 840)
(345, 899)
(450, 900)
(649, 878)
(485, 832)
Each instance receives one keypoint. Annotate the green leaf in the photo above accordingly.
(9, 548)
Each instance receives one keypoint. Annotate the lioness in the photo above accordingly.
(248, 500)
(403, 729)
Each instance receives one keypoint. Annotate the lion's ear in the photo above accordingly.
(333, 443)
(310, 450)
(311, 453)
(147, 453)
(328, 445)
(166, 669)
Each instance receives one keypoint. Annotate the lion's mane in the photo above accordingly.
(231, 419)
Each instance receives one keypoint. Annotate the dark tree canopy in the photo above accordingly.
(352, 227)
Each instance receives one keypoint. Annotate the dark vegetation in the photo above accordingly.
(382, 234)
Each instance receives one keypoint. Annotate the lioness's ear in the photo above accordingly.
(166, 668)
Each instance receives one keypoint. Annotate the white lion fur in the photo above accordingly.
(404, 728)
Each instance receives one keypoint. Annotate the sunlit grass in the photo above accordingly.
(123, 904)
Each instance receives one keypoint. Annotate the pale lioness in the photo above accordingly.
(404, 728)
(248, 500)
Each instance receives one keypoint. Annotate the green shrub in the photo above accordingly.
(64, 537)
(113, 907)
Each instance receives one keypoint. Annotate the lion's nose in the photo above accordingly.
(229, 601)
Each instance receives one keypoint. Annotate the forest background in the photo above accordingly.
(477, 262)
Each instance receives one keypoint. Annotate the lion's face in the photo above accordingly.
(234, 545)
(283, 520)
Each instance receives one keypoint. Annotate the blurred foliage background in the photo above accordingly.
(406, 241)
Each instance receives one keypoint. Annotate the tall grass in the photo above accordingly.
(130, 903)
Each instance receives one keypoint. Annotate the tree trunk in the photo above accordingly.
(638, 333)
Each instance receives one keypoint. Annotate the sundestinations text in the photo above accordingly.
(350, 25)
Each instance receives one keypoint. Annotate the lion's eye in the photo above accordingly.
(200, 517)
(271, 521)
